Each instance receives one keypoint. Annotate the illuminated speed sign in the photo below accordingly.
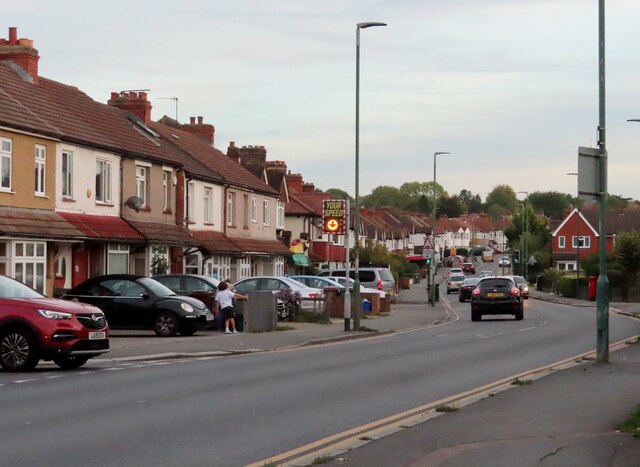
(333, 216)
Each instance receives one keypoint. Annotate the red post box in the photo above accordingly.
(591, 293)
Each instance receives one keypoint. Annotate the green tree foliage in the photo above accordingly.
(450, 205)
(504, 197)
(552, 203)
(472, 203)
(339, 194)
(536, 228)
(383, 197)
(628, 252)
(416, 196)
(617, 202)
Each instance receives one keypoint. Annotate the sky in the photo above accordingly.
(508, 87)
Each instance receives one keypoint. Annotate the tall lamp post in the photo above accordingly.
(432, 275)
(575, 174)
(356, 213)
(525, 231)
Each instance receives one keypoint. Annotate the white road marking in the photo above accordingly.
(442, 335)
(53, 376)
(20, 381)
(527, 329)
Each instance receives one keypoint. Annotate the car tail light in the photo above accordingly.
(449, 283)
(515, 291)
(314, 295)
(475, 291)
(379, 285)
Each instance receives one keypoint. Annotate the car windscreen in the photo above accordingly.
(519, 280)
(471, 281)
(386, 275)
(496, 283)
(10, 288)
(456, 278)
(156, 287)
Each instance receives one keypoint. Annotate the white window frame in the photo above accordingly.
(278, 266)
(105, 176)
(244, 266)
(266, 214)
(40, 154)
(166, 178)
(6, 156)
(254, 209)
(561, 241)
(231, 209)
(191, 198)
(142, 183)
(280, 215)
(208, 205)
(191, 264)
(67, 174)
(34, 255)
(584, 239)
(113, 251)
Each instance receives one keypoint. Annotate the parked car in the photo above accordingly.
(34, 327)
(496, 296)
(343, 282)
(372, 277)
(317, 282)
(454, 283)
(521, 282)
(468, 268)
(275, 283)
(135, 302)
(504, 261)
(466, 288)
(204, 288)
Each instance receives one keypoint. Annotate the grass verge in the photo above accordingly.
(632, 424)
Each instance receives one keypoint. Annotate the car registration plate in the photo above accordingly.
(495, 294)
(95, 335)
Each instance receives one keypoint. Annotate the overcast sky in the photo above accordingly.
(508, 87)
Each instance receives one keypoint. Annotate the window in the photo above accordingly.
(231, 209)
(191, 264)
(581, 242)
(219, 267)
(265, 212)
(191, 201)
(245, 211)
(561, 241)
(41, 169)
(103, 181)
(141, 183)
(29, 264)
(244, 265)
(208, 206)
(166, 190)
(280, 215)
(6, 148)
(254, 210)
(67, 174)
(278, 263)
(118, 258)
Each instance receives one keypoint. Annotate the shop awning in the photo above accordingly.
(300, 259)
(103, 227)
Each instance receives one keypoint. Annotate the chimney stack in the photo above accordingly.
(203, 131)
(20, 52)
(133, 101)
(294, 182)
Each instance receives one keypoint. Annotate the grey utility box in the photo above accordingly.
(259, 312)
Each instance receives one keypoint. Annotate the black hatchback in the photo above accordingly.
(496, 296)
(136, 302)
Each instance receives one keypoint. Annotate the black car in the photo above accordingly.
(136, 302)
(466, 288)
(496, 296)
(204, 288)
(468, 268)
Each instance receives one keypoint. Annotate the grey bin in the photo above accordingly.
(259, 312)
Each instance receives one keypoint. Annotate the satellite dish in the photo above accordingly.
(134, 202)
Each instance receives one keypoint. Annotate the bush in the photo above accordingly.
(550, 278)
(568, 284)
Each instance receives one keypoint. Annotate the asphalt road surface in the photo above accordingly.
(237, 410)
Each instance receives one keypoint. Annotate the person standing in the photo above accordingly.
(224, 305)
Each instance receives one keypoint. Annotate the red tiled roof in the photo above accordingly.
(165, 233)
(36, 223)
(249, 245)
(296, 206)
(103, 227)
(215, 242)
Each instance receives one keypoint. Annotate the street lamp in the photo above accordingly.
(525, 231)
(432, 276)
(356, 215)
(579, 240)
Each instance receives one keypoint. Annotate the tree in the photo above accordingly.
(382, 197)
(552, 203)
(504, 197)
(628, 252)
(472, 203)
(450, 205)
(339, 194)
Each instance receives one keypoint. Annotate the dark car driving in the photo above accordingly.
(466, 288)
(496, 296)
(136, 302)
(468, 268)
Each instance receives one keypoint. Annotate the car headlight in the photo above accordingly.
(59, 315)
(186, 307)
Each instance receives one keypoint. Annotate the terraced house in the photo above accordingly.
(88, 188)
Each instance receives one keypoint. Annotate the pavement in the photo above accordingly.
(566, 417)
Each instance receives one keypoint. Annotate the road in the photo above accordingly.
(238, 410)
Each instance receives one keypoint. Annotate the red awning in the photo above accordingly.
(264, 247)
(103, 227)
(215, 242)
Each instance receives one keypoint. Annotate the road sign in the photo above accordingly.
(333, 216)
(588, 173)
(532, 260)
(427, 243)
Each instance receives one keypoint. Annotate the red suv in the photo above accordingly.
(34, 327)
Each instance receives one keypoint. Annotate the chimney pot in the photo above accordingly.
(192, 120)
(13, 36)
(114, 95)
(143, 96)
(232, 144)
(200, 120)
